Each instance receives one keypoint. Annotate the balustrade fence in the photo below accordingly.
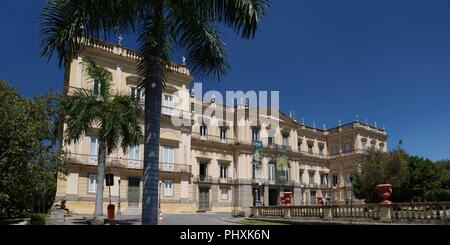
(397, 212)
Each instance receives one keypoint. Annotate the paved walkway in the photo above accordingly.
(58, 217)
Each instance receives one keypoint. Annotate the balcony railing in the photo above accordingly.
(225, 181)
(212, 138)
(175, 168)
(428, 212)
(281, 182)
(204, 179)
(125, 163)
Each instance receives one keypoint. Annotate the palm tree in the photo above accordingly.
(116, 117)
(162, 26)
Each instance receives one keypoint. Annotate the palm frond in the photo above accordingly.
(100, 74)
(242, 16)
(129, 115)
(66, 23)
(195, 33)
(80, 111)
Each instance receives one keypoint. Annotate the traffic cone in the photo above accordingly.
(160, 221)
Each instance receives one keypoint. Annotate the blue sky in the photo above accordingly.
(387, 61)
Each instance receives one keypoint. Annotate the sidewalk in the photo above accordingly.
(59, 217)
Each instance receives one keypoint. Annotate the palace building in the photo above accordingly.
(204, 167)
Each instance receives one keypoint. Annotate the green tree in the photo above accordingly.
(443, 170)
(369, 174)
(30, 155)
(115, 116)
(162, 26)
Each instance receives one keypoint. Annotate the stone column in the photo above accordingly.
(297, 196)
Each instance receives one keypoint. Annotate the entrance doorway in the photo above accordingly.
(273, 197)
(133, 191)
(203, 199)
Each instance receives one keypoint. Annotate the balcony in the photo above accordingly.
(225, 181)
(204, 179)
(281, 182)
(125, 163)
(284, 148)
(212, 138)
(175, 168)
(334, 156)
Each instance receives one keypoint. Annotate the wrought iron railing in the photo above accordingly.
(126, 163)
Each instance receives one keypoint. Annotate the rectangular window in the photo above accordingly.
(313, 198)
(133, 152)
(255, 134)
(168, 104)
(311, 178)
(168, 188)
(224, 194)
(271, 172)
(335, 180)
(133, 156)
(135, 93)
(334, 150)
(349, 195)
(322, 179)
(96, 86)
(223, 171)
(347, 147)
(310, 148)
(270, 141)
(93, 150)
(285, 140)
(301, 176)
(168, 158)
(347, 178)
(321, 150)
(203, 131)
(223, 134)
(363, 145)
(92, 184)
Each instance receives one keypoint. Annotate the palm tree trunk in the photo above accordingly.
(153, 94)
(98, 213)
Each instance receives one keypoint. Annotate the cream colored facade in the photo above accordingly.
(210, 169)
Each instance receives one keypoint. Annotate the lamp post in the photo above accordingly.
(118, 202)
(259, 193)
(333, 193)
(351, 198)
(159, 195)
(302, 191)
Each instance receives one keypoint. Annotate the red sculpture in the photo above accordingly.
(286, 199)
(385, 191)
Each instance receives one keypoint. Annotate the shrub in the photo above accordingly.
(38, 219)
